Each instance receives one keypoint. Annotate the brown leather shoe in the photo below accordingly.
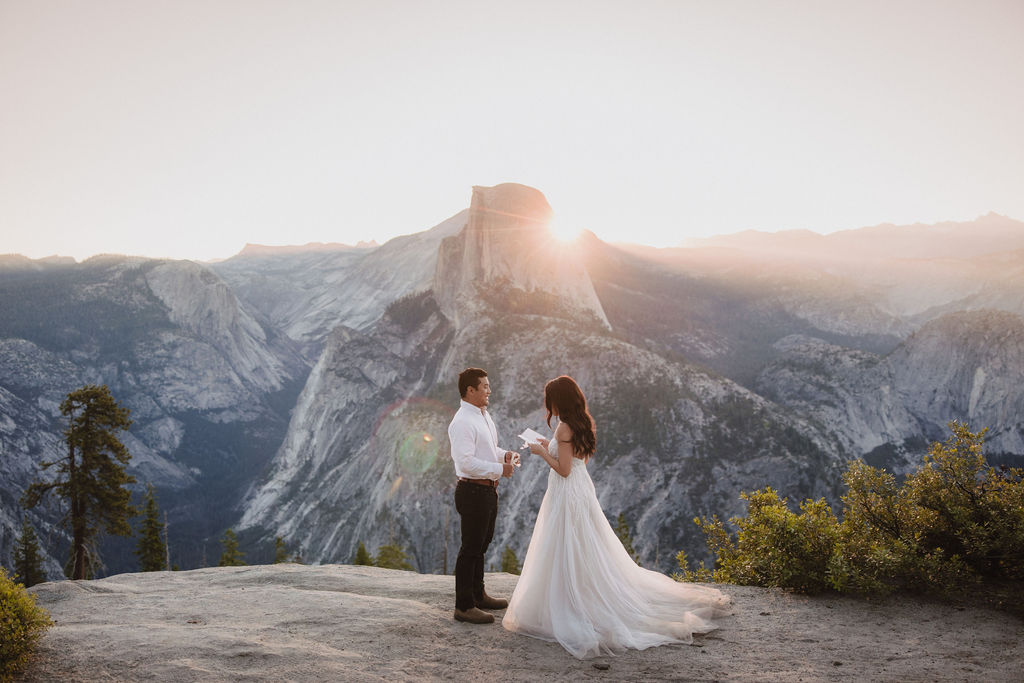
(474, 616)
(487, 602)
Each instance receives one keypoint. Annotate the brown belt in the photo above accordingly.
(482, 482)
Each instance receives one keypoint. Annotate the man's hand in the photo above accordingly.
(514, 458)
(507, 469)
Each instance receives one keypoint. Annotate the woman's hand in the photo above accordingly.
(539, 448)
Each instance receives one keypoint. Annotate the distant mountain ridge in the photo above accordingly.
(305, 392)
(251, 249)
(986, 234)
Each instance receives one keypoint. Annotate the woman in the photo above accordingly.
(579, 587)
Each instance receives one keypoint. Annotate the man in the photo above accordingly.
(479, 464)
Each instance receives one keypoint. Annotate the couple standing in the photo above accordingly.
(579, 587)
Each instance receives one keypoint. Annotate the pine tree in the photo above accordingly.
(392, 557)
(362, 557)
(28, 561)
(151, 549)
(622, 531)
(280, 550)
(509, 561)
(91, 477)
(231, 556)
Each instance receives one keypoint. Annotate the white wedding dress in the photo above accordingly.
(581, 589)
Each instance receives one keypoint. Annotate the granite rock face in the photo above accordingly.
(366, 458)
(199, 373)
(507, 252)
(966, 366)
(306, 293)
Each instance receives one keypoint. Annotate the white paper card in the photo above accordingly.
(530, 436)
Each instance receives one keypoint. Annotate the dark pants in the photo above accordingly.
(477, 505)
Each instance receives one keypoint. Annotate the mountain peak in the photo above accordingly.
(251, 249)
(508, 207)
(507, 249)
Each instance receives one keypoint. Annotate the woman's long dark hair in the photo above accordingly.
(566, 397)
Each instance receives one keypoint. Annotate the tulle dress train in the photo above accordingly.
(580, 588)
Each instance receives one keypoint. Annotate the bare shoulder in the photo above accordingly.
(563, 432)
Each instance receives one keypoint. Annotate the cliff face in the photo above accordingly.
(367, 457)
(306, 294)
(361, 455)
(203, 305)
(199, 373)
(966, 366)
(507, 253)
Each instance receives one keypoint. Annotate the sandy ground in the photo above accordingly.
(344, 623)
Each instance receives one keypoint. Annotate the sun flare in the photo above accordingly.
(564, 231)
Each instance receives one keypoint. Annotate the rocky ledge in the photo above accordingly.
(337, 622)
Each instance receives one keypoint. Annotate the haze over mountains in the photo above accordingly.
(941, 240)
(305, 392)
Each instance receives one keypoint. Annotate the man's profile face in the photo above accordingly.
(480, 394)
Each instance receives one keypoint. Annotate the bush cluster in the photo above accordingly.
(22, 624)
(951, 524)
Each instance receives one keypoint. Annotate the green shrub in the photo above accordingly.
(773, 547)
(22, 624)
(231, 556)
(886, 539)
(393, 557)
(953, 523)
(622, 531)
(362, 556)
(973, 511)
(28, 558)
(509, 561)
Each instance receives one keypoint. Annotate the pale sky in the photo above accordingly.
(186, 128)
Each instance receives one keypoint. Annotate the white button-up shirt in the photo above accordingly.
(474, 442)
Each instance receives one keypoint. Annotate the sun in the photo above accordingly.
(564, 231)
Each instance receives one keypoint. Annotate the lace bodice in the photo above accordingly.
(577, 487)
